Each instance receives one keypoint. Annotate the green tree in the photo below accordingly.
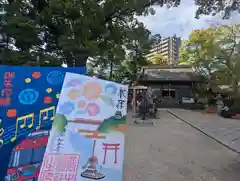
(214, 53)
(22, 36)
(128, 69)
(71, 31)
(229, 57)
(125, 70)
(123, 66)
(200, 50)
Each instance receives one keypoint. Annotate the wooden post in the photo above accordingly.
(134, 101)
(93, 149)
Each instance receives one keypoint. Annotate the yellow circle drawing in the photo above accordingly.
(57, 96)
(28, 80)
(74, 94)
(48, 90)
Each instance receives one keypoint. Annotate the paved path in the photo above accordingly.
(174, 151)
(226, 131)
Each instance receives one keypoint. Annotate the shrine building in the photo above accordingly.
(174, 86)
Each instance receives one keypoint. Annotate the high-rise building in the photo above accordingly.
(168, 48)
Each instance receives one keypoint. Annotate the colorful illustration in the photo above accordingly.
(87, 135)
(26, 157)
(28, 98)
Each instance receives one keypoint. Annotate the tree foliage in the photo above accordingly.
(128, 69)
(199, 50)
(125, 69)
(215, 53)
(158, 59)
(71, 31)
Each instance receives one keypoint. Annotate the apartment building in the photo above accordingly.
(168, 48)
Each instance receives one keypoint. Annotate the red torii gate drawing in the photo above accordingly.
(108, 146)
(93, 134)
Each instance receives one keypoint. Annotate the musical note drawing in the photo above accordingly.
(1, 131)
(44, 115)
(23, 125)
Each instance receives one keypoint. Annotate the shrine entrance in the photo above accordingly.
(168, 96)
(171, 85)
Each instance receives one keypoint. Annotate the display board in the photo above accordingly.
(87, 137)
(28, 98)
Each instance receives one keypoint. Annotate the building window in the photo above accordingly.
(26, 157)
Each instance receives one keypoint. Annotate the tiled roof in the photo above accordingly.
(169, 75)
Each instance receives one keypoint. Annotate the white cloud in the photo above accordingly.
(181, 21)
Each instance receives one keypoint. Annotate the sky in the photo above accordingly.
(181, 21)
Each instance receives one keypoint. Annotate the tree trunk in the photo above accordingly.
(70, 62)
(76, 61)
(81, 61)
(111, 70)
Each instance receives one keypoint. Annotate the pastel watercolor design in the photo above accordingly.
(92, 131)
(66, 108)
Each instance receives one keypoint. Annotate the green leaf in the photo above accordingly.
(60, 122)
(107, 100)
(109, 124)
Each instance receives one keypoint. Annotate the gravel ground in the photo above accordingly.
(174, 151)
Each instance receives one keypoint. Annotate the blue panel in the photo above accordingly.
(25, 91)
